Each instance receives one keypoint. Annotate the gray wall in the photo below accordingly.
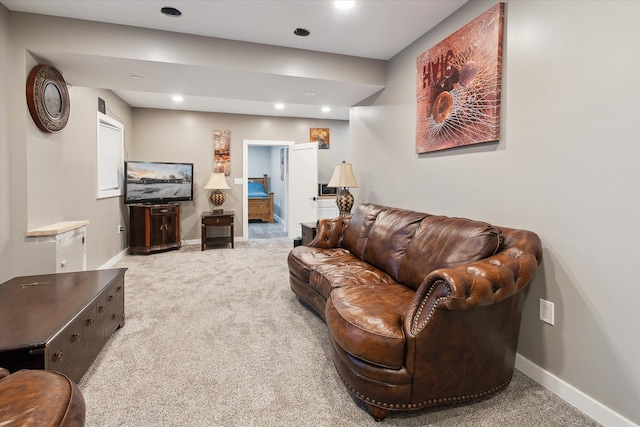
(567, 166)
(259, 161)
(278, 185)
(5, 152)
(48, 178)
(165, 135)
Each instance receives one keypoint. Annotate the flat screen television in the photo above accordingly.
(157, 182)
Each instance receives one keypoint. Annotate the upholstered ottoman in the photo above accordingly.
(39, 398)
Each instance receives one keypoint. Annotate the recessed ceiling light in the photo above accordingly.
(279, 106)
(310, 93)
(170, 11)
(136, 77)
(301, 32)
(344, 4)
(177, 98)
(326, 109)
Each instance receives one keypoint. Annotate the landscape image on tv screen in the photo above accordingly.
(149, 182)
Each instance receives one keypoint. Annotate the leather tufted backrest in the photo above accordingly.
(389, 237)
(409, 245)
(443, 242)
(357, 232)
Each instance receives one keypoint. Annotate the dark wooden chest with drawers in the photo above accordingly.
(59, 322)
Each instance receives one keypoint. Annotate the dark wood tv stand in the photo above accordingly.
(154, 228)
(59, 322)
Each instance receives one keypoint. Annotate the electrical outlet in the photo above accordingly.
(120, 229)
(547, 311)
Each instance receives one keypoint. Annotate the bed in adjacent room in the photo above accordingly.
(260, 200)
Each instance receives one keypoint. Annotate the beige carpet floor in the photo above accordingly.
(217, 338)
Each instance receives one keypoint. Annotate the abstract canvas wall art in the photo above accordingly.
(221, 151)
(459, 85)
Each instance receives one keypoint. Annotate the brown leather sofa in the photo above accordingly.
(422, 310)
(39, 398)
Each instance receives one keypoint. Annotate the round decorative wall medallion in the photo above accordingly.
(48, 98)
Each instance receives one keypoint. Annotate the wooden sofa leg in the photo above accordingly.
(378, 413)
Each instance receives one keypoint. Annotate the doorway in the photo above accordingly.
(271, 165)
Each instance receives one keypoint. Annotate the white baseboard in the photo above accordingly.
(588, 405)
(114, 260)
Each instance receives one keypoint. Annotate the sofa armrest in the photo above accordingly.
(479, 283)
(329, 232)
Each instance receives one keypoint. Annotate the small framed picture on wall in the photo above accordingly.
(321, 136)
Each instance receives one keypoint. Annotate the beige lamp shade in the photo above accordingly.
(343, 176)
(216, 183)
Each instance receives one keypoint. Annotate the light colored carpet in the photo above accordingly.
(217, 338)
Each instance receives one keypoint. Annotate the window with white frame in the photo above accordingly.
(110, 156)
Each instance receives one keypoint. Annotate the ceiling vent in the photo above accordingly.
(170, 11)
(301, 32)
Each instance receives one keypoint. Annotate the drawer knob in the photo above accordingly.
(119, 289)
(115, 316)
(58, 356)
(90, 321)
(111, 298)
(101, 308)
(75, 337)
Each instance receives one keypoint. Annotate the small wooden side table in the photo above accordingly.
(224, 219)
(308, 232)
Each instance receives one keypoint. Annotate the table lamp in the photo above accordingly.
(217, 182)
(343, 178)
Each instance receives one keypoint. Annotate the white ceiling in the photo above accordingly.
(375, 29)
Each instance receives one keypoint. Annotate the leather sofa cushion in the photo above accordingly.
(324, 278)
(367, 322)
(409, 245)
(389, 237)
(40, 398)
(443, 242)
(357, 232)
(302, 259)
